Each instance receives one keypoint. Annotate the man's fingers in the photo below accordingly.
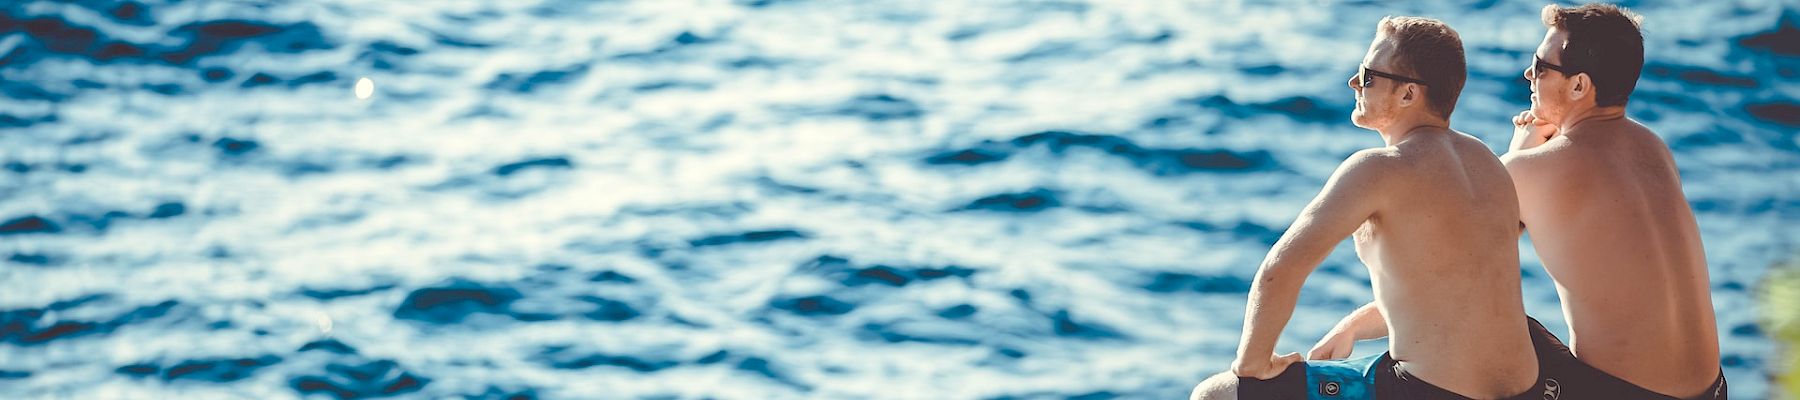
(1319, 353)
(1290, 358)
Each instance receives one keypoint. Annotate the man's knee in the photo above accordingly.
(1219, 387)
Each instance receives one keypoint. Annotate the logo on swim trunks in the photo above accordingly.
(1329, 388)
(1552, 389)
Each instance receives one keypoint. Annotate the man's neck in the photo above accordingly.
(1405, 127)
(1590, 114)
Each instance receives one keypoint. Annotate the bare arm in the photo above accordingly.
(1349, 198)
(1363, 324)
(1523, 161)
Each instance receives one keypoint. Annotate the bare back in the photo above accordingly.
(1443, 254)
(1604, 208)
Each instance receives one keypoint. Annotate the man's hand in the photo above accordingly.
(1334, 346)
(1529, 132)
(1264, 369)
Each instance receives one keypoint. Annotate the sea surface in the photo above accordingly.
(985, 199)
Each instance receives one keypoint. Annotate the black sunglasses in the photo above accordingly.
(1367, 77)
(1541, 65)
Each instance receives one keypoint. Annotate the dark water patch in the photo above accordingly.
(50, 35)
(1739, 361)
(131, 13)
(1175, 162)
(611, 276)
(232, 147)
(328, 345)
(210, 38)
(1066, 325)
(1034, 200)
(1241, 230)
(896, 333)
(442, 39)
(813, 306)
(11, 374)
(967, 157)
(29, 224)
(219, 370)
(1699, 76)
(748, 237)
(14, 121)
(670, 85)
(333, 294)
(1162, 162)
(959, 311)
(167, 210)
(755, 62)
(851, 275)
(166, 89)
(784, 187)
(722, 210)
(675, 45)
(1707, 138)
(17, 167)
(1049, 50)
(265, 79)
(1748, 330)
(527, 83)
(901, 276)
(382, 378)
(1095, 395)
(713, 358)
(880, 107)
(1300, 108)
(38, 259)
(81, 83)
(558, 357)
(536, 163)
(1263, 70)
(1024, 296)
(608, 310)
(312, 78)
(385, 55)
(1678, 101)
(497, 393)
(1784, 39)
(92, 138)
(762, 367)
(455, 300)
(1172, 282)
(20, 90)
(35, 326)
(97, 222)
(1781, 112)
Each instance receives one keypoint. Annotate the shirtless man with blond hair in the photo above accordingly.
(1601, 197)
(1436, 221)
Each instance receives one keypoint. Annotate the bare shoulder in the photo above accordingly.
(1367, 170)
(1373, 162)
(1553, 158)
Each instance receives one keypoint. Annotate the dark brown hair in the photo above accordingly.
(1605, 43)
(1428, 49)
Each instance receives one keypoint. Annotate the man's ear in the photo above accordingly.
(1580, 86)
(1406, 99)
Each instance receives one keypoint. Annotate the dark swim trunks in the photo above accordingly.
(1371, 377)
(1578, 380)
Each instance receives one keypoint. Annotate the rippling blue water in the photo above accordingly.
(767, 199)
